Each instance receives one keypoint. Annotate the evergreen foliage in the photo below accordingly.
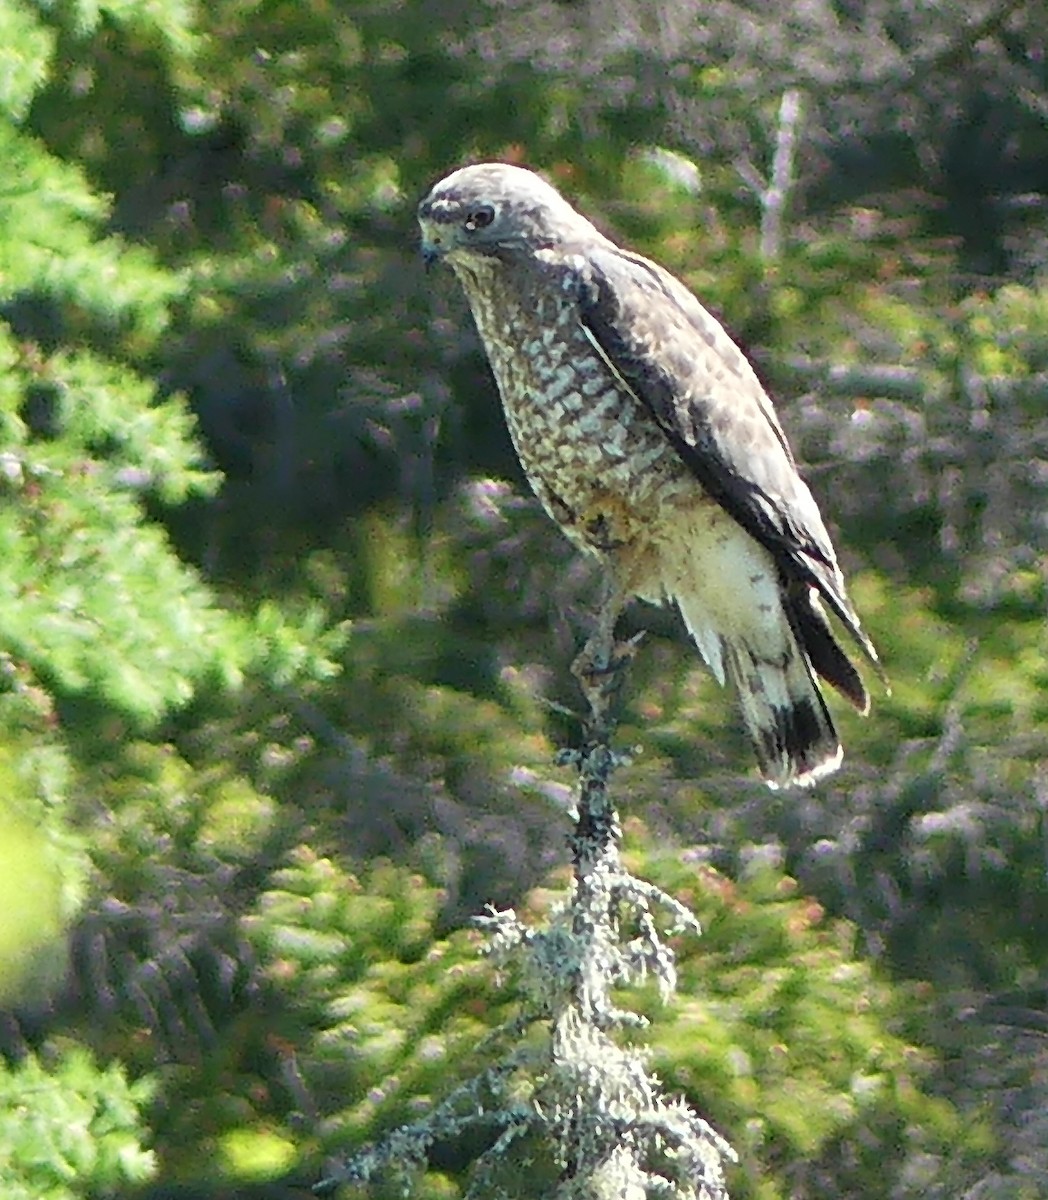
(70, 1129)
(283, 640)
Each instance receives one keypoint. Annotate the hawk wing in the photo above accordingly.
(686, 371)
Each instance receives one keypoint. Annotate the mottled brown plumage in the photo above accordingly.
(650, 441)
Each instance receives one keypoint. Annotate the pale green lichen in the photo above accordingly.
(605, 1127)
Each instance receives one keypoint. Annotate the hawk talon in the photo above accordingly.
(604, 671)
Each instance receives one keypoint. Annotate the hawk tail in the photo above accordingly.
(787, 719)
(784, 712)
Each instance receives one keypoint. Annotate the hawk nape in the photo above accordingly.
(650, 441)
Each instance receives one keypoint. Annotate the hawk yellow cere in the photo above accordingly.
(650, 441)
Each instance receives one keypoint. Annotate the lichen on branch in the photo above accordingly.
(570, 1098)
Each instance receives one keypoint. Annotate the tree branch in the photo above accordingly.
(608, 1129)
(855, 381)
(775, 196)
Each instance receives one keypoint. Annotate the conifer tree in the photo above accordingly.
(100, 619)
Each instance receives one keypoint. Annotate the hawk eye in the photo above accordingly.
(480, 217)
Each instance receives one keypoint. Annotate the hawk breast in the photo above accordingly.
(594, 456)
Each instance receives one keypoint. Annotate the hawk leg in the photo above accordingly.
(601, 658)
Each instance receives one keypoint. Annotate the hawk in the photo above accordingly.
(649, 440)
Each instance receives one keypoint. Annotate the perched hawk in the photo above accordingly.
(650, 441)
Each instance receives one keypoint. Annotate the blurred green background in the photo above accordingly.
(280, 621)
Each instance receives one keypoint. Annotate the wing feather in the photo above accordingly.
(682, 366)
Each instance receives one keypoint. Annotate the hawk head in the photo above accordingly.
(492, 210)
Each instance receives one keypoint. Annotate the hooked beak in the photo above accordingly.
(433, 248)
